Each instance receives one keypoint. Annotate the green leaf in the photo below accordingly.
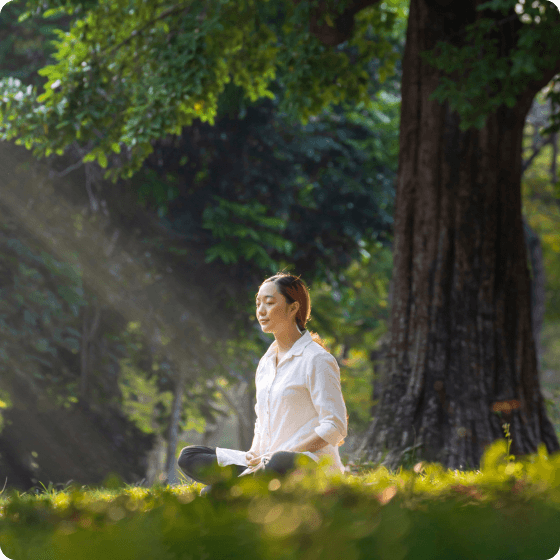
(54, 12)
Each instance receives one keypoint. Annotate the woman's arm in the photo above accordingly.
(311, 443)
(323, 382)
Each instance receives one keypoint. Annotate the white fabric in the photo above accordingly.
(300, 398)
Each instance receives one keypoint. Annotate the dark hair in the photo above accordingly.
(293, 289)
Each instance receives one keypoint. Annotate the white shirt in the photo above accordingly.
(299, 398)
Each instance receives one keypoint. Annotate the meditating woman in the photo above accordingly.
(300, 408)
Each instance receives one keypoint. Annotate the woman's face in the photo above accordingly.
(272, 312)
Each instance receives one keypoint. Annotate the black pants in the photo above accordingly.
(197, 460)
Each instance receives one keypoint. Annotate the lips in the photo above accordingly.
(263, 321)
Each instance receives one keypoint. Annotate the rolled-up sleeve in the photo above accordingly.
(323, 379)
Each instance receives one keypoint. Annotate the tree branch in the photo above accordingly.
(526, 163)
(136, 32)
(76, 165)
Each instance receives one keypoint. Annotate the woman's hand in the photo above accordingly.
(252, 459)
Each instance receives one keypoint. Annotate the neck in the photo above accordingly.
(286, 339)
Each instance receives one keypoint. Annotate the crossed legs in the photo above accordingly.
(196, 460)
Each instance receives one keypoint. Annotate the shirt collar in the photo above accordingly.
(295, 350)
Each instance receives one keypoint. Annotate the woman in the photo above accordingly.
(300, 408)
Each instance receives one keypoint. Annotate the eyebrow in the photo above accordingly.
(257, 297)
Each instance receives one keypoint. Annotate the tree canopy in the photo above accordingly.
(131, 73)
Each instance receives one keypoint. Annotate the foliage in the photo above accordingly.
(306, 514)
(272, 191)
(40, 301)
(42, 306)
(233, 222)
(121, 80)
(330, 183)
(27, 45)
(257, 185)
(541, 207)
(353, 316)
(147, 381)
(301, 200)
(478, 77)
(551, 357)
(347, 138)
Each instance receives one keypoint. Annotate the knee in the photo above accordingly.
(282, 456)
(185, 456)
(281, 462)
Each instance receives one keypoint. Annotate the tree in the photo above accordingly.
(462, 345)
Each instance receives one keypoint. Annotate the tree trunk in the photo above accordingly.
(461, 336)
(173, 434)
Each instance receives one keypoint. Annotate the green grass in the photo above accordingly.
(506, 510)
(359, 469)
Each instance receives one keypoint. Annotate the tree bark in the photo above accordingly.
(461, 338)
